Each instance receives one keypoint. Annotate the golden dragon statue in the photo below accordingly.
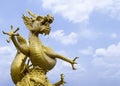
(41, 56)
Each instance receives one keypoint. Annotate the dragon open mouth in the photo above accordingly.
(45, 31)
(46, 24)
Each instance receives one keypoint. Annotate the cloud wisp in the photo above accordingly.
(86, 51)
(60, 36)
(108, 59)
(89, 34)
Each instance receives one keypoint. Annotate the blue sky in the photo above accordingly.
(88, 29)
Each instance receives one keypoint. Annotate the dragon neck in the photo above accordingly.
(34, 37)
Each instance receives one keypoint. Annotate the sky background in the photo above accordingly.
(88, 29)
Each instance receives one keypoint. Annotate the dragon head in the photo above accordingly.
(38, 24)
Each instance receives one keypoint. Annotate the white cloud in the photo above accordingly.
(109, 60)
(60, 36)
(80, 10)
(72, 38)
(112, 51)
(7, 53)
(114, 9)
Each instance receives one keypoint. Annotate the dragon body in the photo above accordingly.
(38, 56)
(17, 67)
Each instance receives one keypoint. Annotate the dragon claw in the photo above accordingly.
(16, 30)
(74, 63)
(11, 33)
(75, 58)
